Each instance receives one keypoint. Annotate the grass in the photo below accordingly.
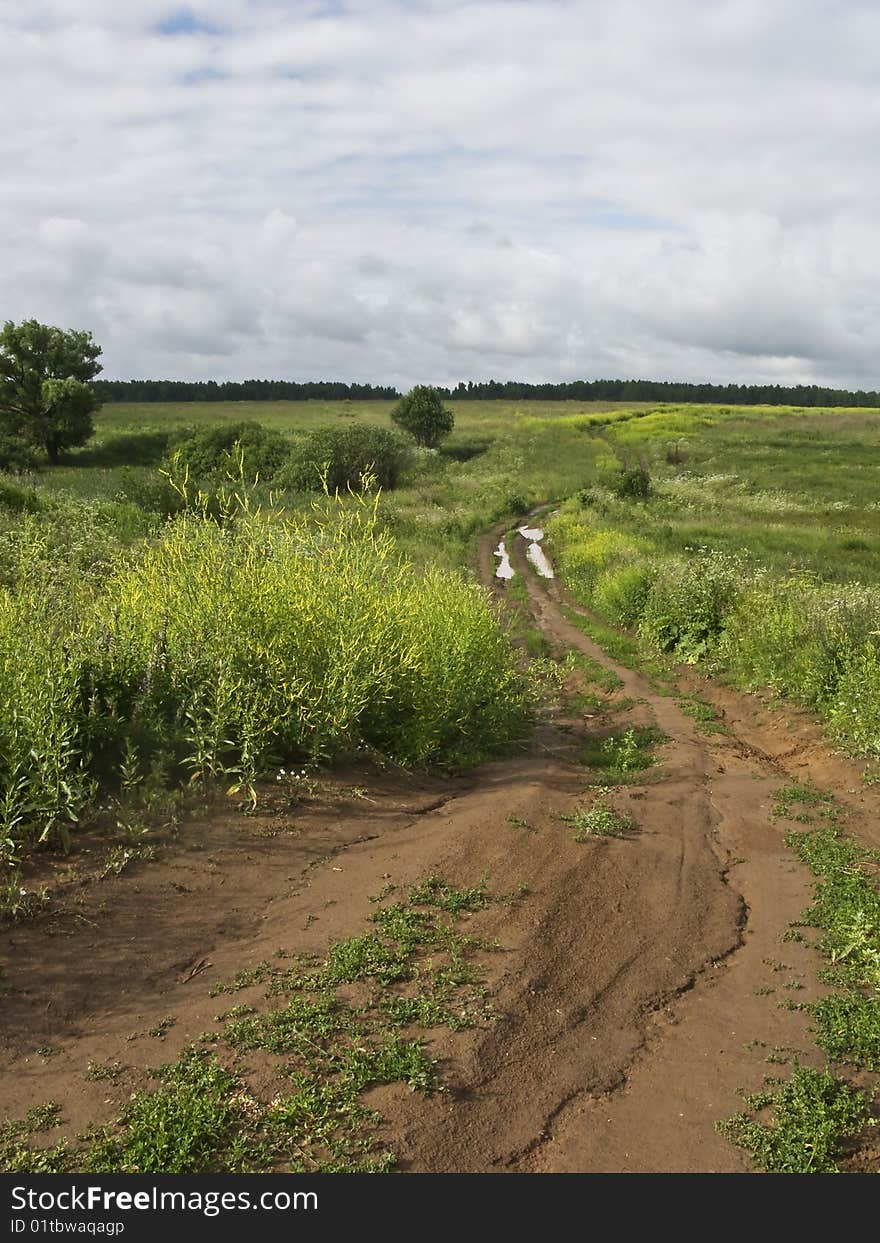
(218, 650)
(593, 672)
(755, 560)
(804, 794)
(521, 622)
(17, 902)
(502, 458)
(815, 1113)
(846, 910)
(752, 555)
(620, 756)
(413, 970)
(707, 717)
(600, 820)
(811, 1118)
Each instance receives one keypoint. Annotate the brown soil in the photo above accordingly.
(638, 980)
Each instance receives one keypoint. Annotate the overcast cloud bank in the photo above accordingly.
(398, 192)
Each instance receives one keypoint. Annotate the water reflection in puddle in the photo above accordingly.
(538, 558)
(505, 569)
(534, 552)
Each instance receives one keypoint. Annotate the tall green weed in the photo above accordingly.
(217, 650)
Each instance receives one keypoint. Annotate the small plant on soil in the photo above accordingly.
(847, 911)
(801, 794)
(593, 671)
(119, 857)
(621, 755)
(600, 820)
(17, 901)
(706, 717)
(104, 1070)
(811, 1117)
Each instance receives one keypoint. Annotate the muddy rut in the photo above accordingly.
(636, 984)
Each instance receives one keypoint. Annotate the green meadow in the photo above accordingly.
(744, 541)
(152, 634)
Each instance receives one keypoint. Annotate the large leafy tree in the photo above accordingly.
(422, 413)
(45, 395)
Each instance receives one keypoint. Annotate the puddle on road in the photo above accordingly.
(505, 569)
(534, 552)
(538, 558)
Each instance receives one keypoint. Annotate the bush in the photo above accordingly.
(152, 492)
(516, 502)
(632, 483)
(686, 607)
(17, 499)
(343, 455)
(214, 454)
(583, 553)
(797, 636)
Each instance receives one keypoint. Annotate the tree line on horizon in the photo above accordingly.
(485, 390)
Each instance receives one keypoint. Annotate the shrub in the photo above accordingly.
(217, 453)
(686, 606)
(16, 499)
(343, 455)
(152, 492)
(584, 553)
(516, 502)
(632, 483)
(796, 636)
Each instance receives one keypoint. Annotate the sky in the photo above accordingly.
(420, 191)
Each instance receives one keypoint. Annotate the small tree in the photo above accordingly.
(45, 396)
(422, 413)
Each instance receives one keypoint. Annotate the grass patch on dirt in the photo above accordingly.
(846, 910)
(802, 1128)
(17, 902)
(807, 797)
(600, 820)
(592, 671)
(620, 756)
(623, 648)
(521, 621)
(706, 716)
(335, 1028)
(620, 647)
(814, 1114)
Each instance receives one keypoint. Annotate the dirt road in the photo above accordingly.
(637, 982)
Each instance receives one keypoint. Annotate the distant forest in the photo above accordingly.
(509, 390)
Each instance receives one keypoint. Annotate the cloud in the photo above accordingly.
(409, 190)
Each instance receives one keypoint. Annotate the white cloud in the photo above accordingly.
(395, 191)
